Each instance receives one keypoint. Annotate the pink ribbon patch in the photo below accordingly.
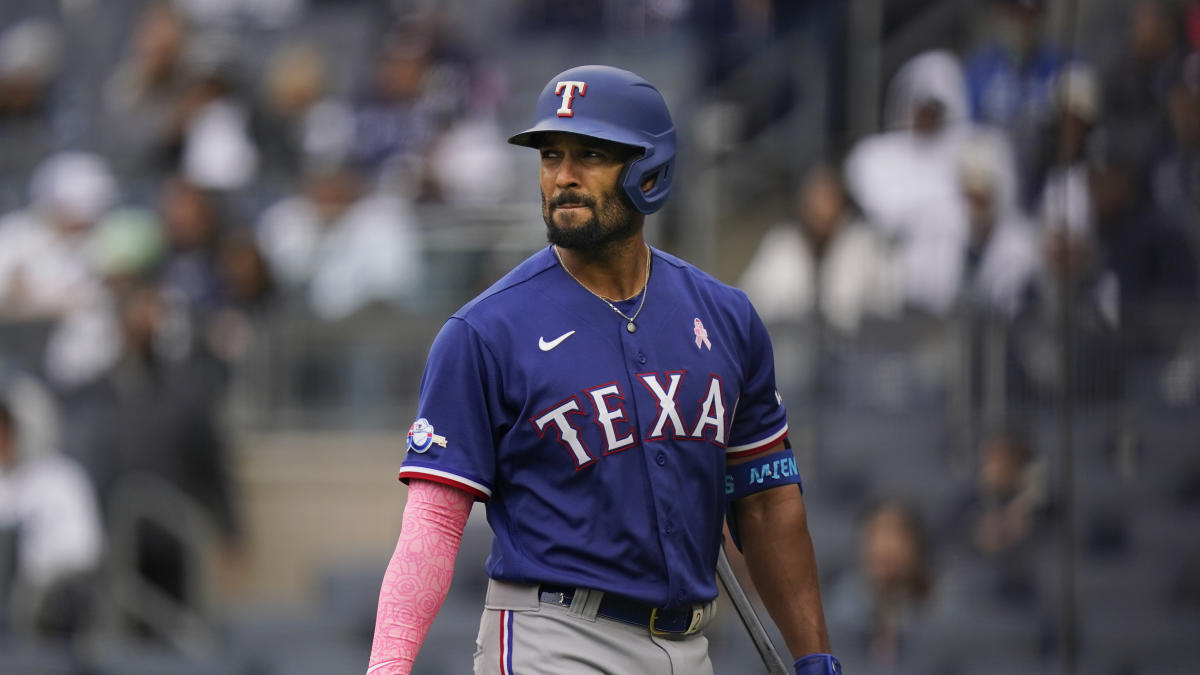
(701, 334)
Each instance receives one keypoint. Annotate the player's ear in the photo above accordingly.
(649, 182)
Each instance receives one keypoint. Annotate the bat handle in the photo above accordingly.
(758, 633)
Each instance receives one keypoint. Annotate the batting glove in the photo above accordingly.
(818, 664)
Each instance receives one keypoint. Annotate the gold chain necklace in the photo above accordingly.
(630, 326)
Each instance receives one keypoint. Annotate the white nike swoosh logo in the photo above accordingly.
(547, 346)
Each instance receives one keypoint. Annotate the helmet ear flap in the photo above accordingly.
(635, 176)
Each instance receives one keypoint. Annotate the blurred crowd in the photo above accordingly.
(1000, 173)
(163, 194)
(175, 175)
(1043, 203)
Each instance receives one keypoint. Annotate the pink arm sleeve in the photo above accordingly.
(418, 576)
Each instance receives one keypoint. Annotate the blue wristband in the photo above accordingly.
(818, 664)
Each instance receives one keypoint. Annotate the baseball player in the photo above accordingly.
(612, 405)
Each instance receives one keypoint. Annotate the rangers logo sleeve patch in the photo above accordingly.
(421, 436)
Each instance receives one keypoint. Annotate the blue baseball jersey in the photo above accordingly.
(600, 453)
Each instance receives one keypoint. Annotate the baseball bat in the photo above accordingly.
(758, 633)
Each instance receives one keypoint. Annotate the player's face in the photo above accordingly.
(582, 204)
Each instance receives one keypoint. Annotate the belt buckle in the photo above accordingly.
(693, 625)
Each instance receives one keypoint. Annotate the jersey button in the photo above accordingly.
(641, 358)
(670, 528)
(661, 459)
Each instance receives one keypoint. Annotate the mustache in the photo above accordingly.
(571, 198)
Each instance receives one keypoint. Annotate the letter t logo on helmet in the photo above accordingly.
(567, 91)
(620, 107)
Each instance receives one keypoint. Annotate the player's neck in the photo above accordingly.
(617, 271)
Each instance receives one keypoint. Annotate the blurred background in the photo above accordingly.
(231, 228)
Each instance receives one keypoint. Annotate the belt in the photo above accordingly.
(684, 621)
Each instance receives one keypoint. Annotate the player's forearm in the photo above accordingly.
(779, 555)
(419, 574)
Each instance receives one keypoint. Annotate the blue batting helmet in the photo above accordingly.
(614, 105)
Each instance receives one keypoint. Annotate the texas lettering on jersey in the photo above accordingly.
(709, 425)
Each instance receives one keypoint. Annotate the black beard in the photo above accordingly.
(613, 222)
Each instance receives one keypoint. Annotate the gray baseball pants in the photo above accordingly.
(520, 635)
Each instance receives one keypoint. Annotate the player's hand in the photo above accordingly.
(818, 664)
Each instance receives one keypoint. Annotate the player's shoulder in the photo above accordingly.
(680, 271)
(500, 296)
(687, 270)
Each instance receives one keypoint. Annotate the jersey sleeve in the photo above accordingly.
(759, 419)
(452, 440)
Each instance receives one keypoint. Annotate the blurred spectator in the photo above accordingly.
(1002, 247)
(125, 247)
(469, 165)
(30, 54)
(906, 179)
(245, 274)
(45, 271)
(47, 501)
(248, 294)
(297, 124)
(1010, 80)
(1000, 531)
(158, 414)
(1073, 268)
(828, 262)
(35, 408)
(1151, 261)
(193, 232)
(1138, 78)
(1010, 500)
(1004, 519)
(29, 60)
(216, 151)
(891, 589)
(394, 122)
(173, 106)
(142, 108)
(341, 247)
(416, 92)
(475, 132)
(1176, 176)
(1064, 200)
(1009, 77)
(1071, 256)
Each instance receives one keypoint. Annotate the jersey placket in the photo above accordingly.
(657, 460)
